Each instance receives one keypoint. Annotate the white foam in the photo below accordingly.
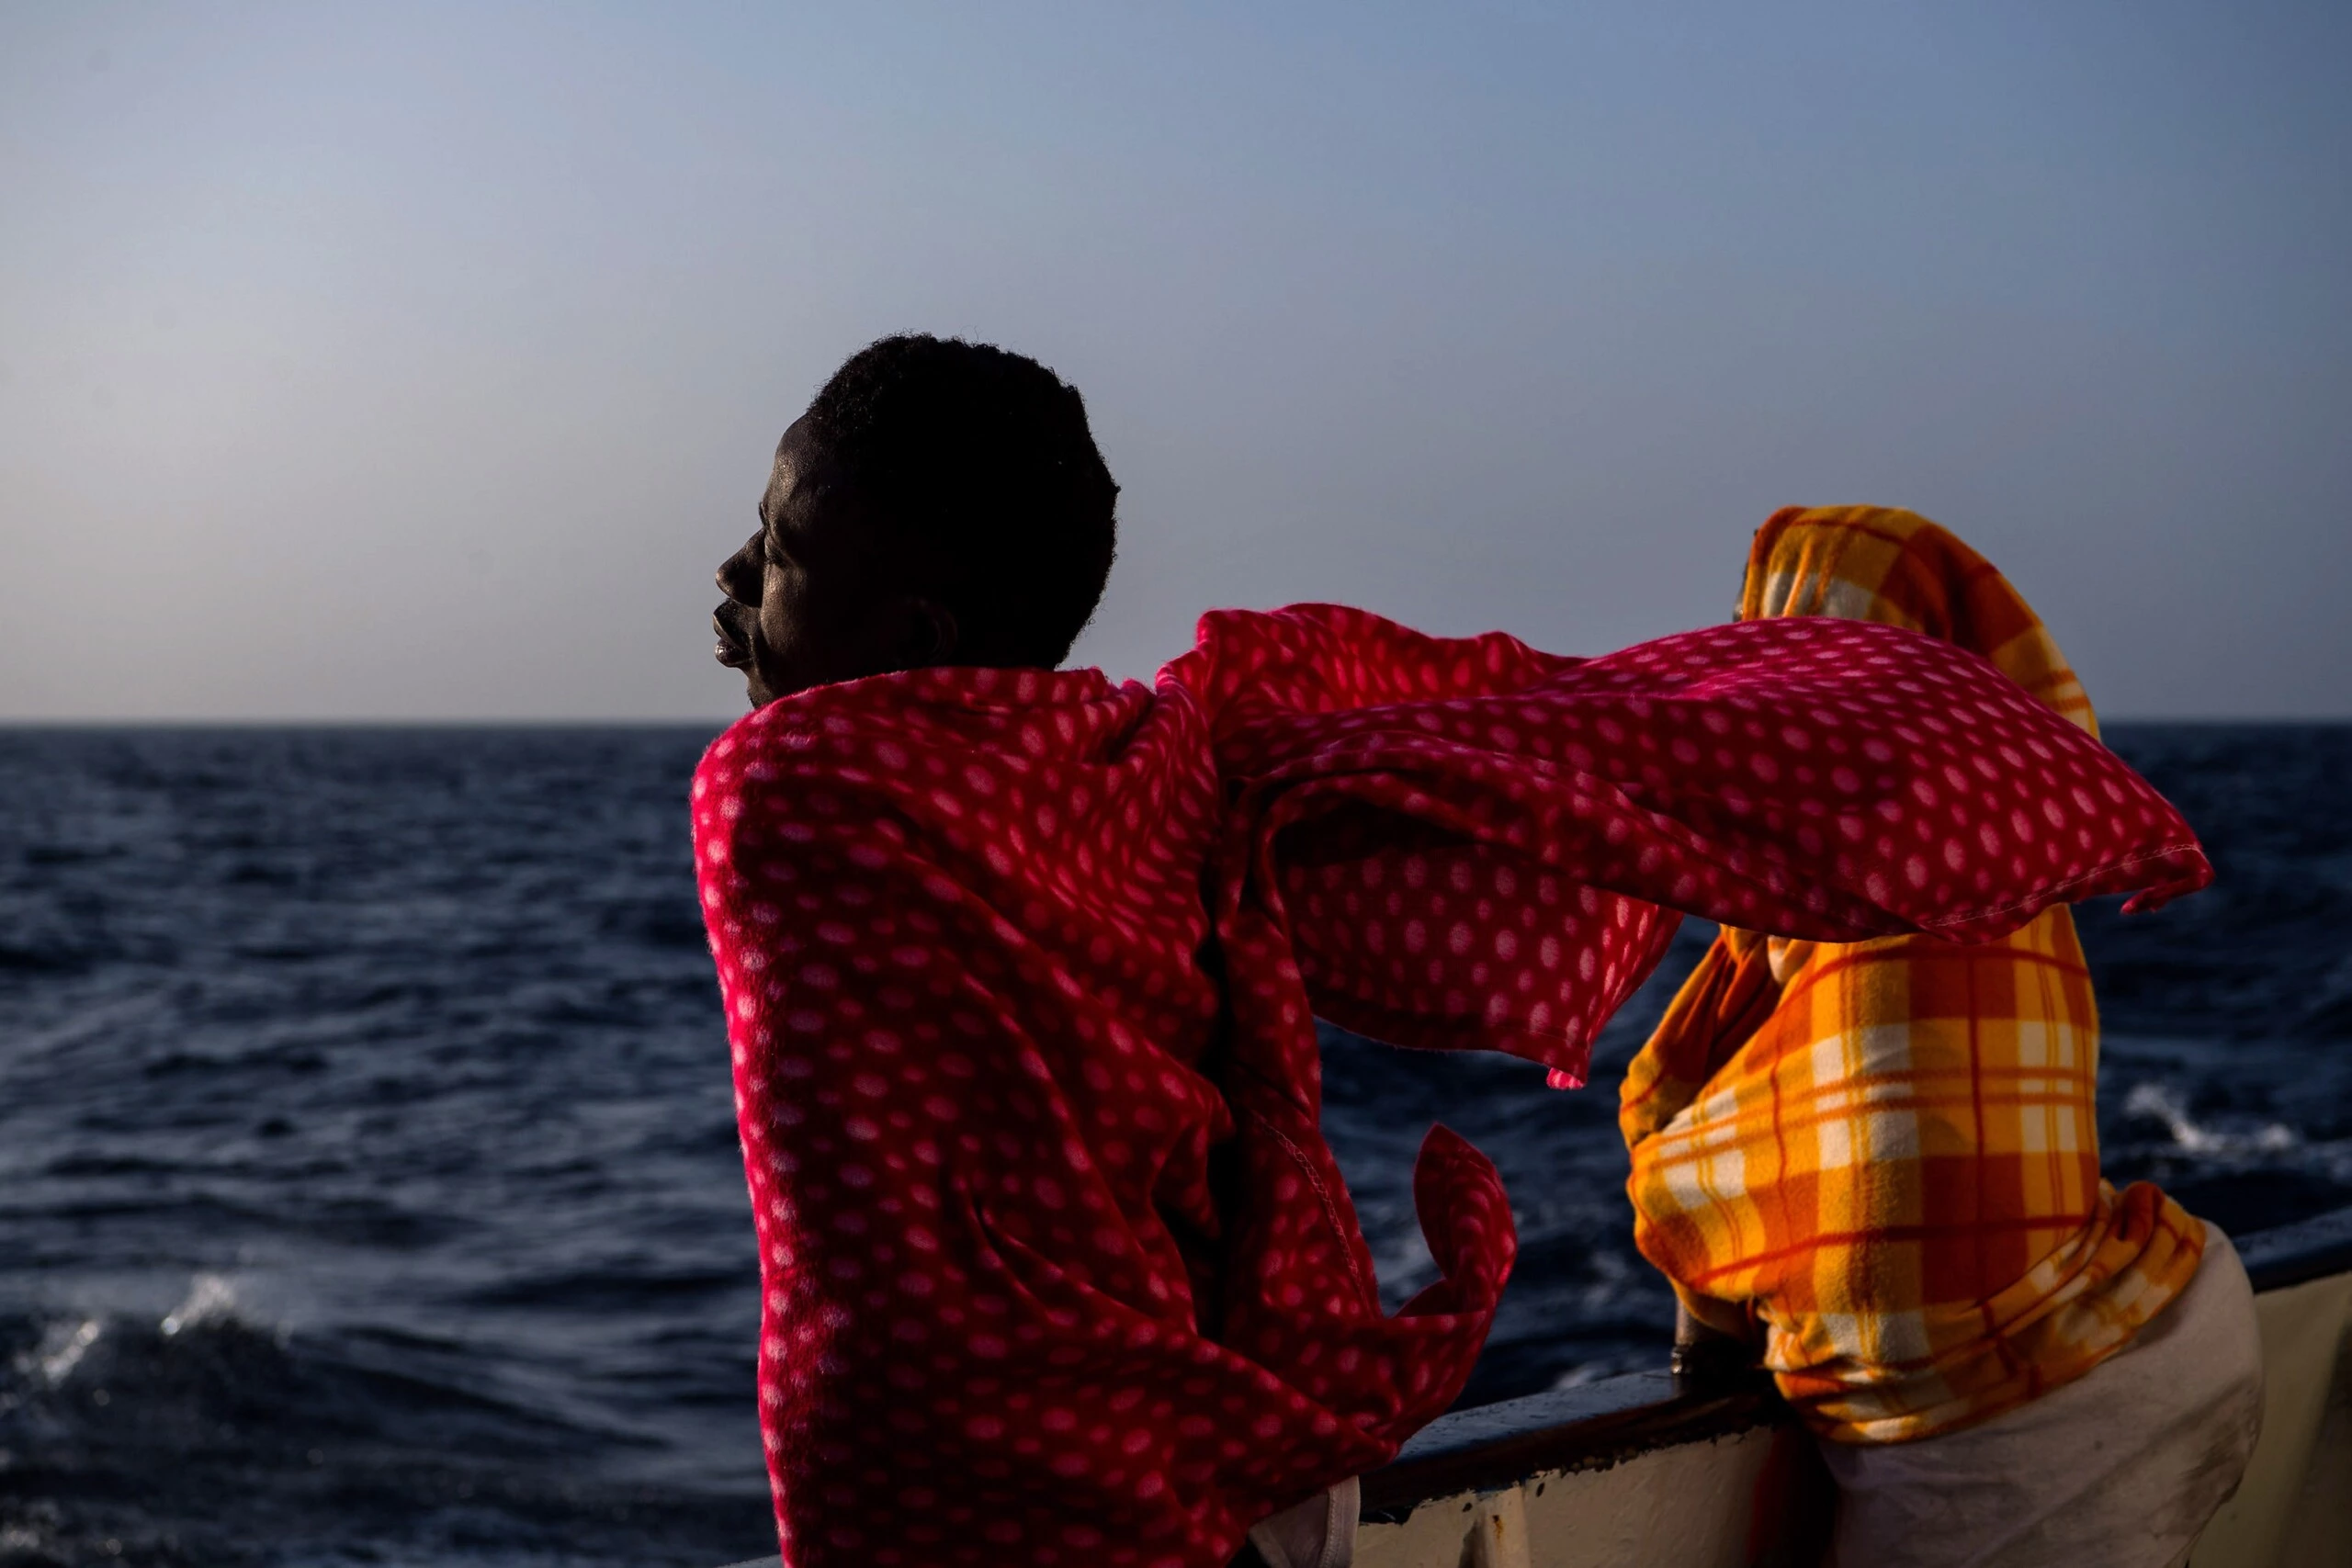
(62, 1348)
(210, 1299)
(2160, 1103)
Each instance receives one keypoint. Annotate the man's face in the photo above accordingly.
(807, 601)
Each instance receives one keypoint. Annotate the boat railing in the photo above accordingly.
(1611, 1419)
(2295, 1254)
(1587, 1426)
(1602, 1423)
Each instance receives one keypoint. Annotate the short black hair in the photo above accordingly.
(984, 456)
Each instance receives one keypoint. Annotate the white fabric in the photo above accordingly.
(2119, 1468)
(1317, 1533)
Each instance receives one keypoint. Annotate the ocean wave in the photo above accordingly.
(207, 1436)
(2163, 1103)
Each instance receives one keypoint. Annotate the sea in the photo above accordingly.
(368, 1183)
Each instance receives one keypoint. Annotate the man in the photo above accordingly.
(1879, 1164)
(1021, 966)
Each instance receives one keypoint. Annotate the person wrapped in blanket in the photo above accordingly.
(1878, 1164)
(1021, 965)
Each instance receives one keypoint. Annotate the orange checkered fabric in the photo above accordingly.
(1874, 563)
(1886, 1154)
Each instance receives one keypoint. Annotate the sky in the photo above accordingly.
(410, 362)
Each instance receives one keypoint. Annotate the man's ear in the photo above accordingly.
(930, 636)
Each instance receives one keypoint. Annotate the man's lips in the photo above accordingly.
(732, 652)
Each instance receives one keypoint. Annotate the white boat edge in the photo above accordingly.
(1634, 1470)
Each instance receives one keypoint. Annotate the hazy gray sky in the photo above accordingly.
(423, 362)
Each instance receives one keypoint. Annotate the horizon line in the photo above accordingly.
(673, 721)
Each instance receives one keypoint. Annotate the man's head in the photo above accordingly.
(941, 502)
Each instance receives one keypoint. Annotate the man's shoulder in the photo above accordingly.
(953, 758)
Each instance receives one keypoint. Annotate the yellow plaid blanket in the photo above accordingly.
(1884, 1154)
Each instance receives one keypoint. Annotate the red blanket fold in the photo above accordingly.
(1021, 970)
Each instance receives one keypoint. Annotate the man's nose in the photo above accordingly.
(738, 574)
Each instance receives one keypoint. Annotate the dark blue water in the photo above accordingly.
(368, 1190)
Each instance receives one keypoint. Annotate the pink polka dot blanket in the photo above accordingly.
(1021, 971)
